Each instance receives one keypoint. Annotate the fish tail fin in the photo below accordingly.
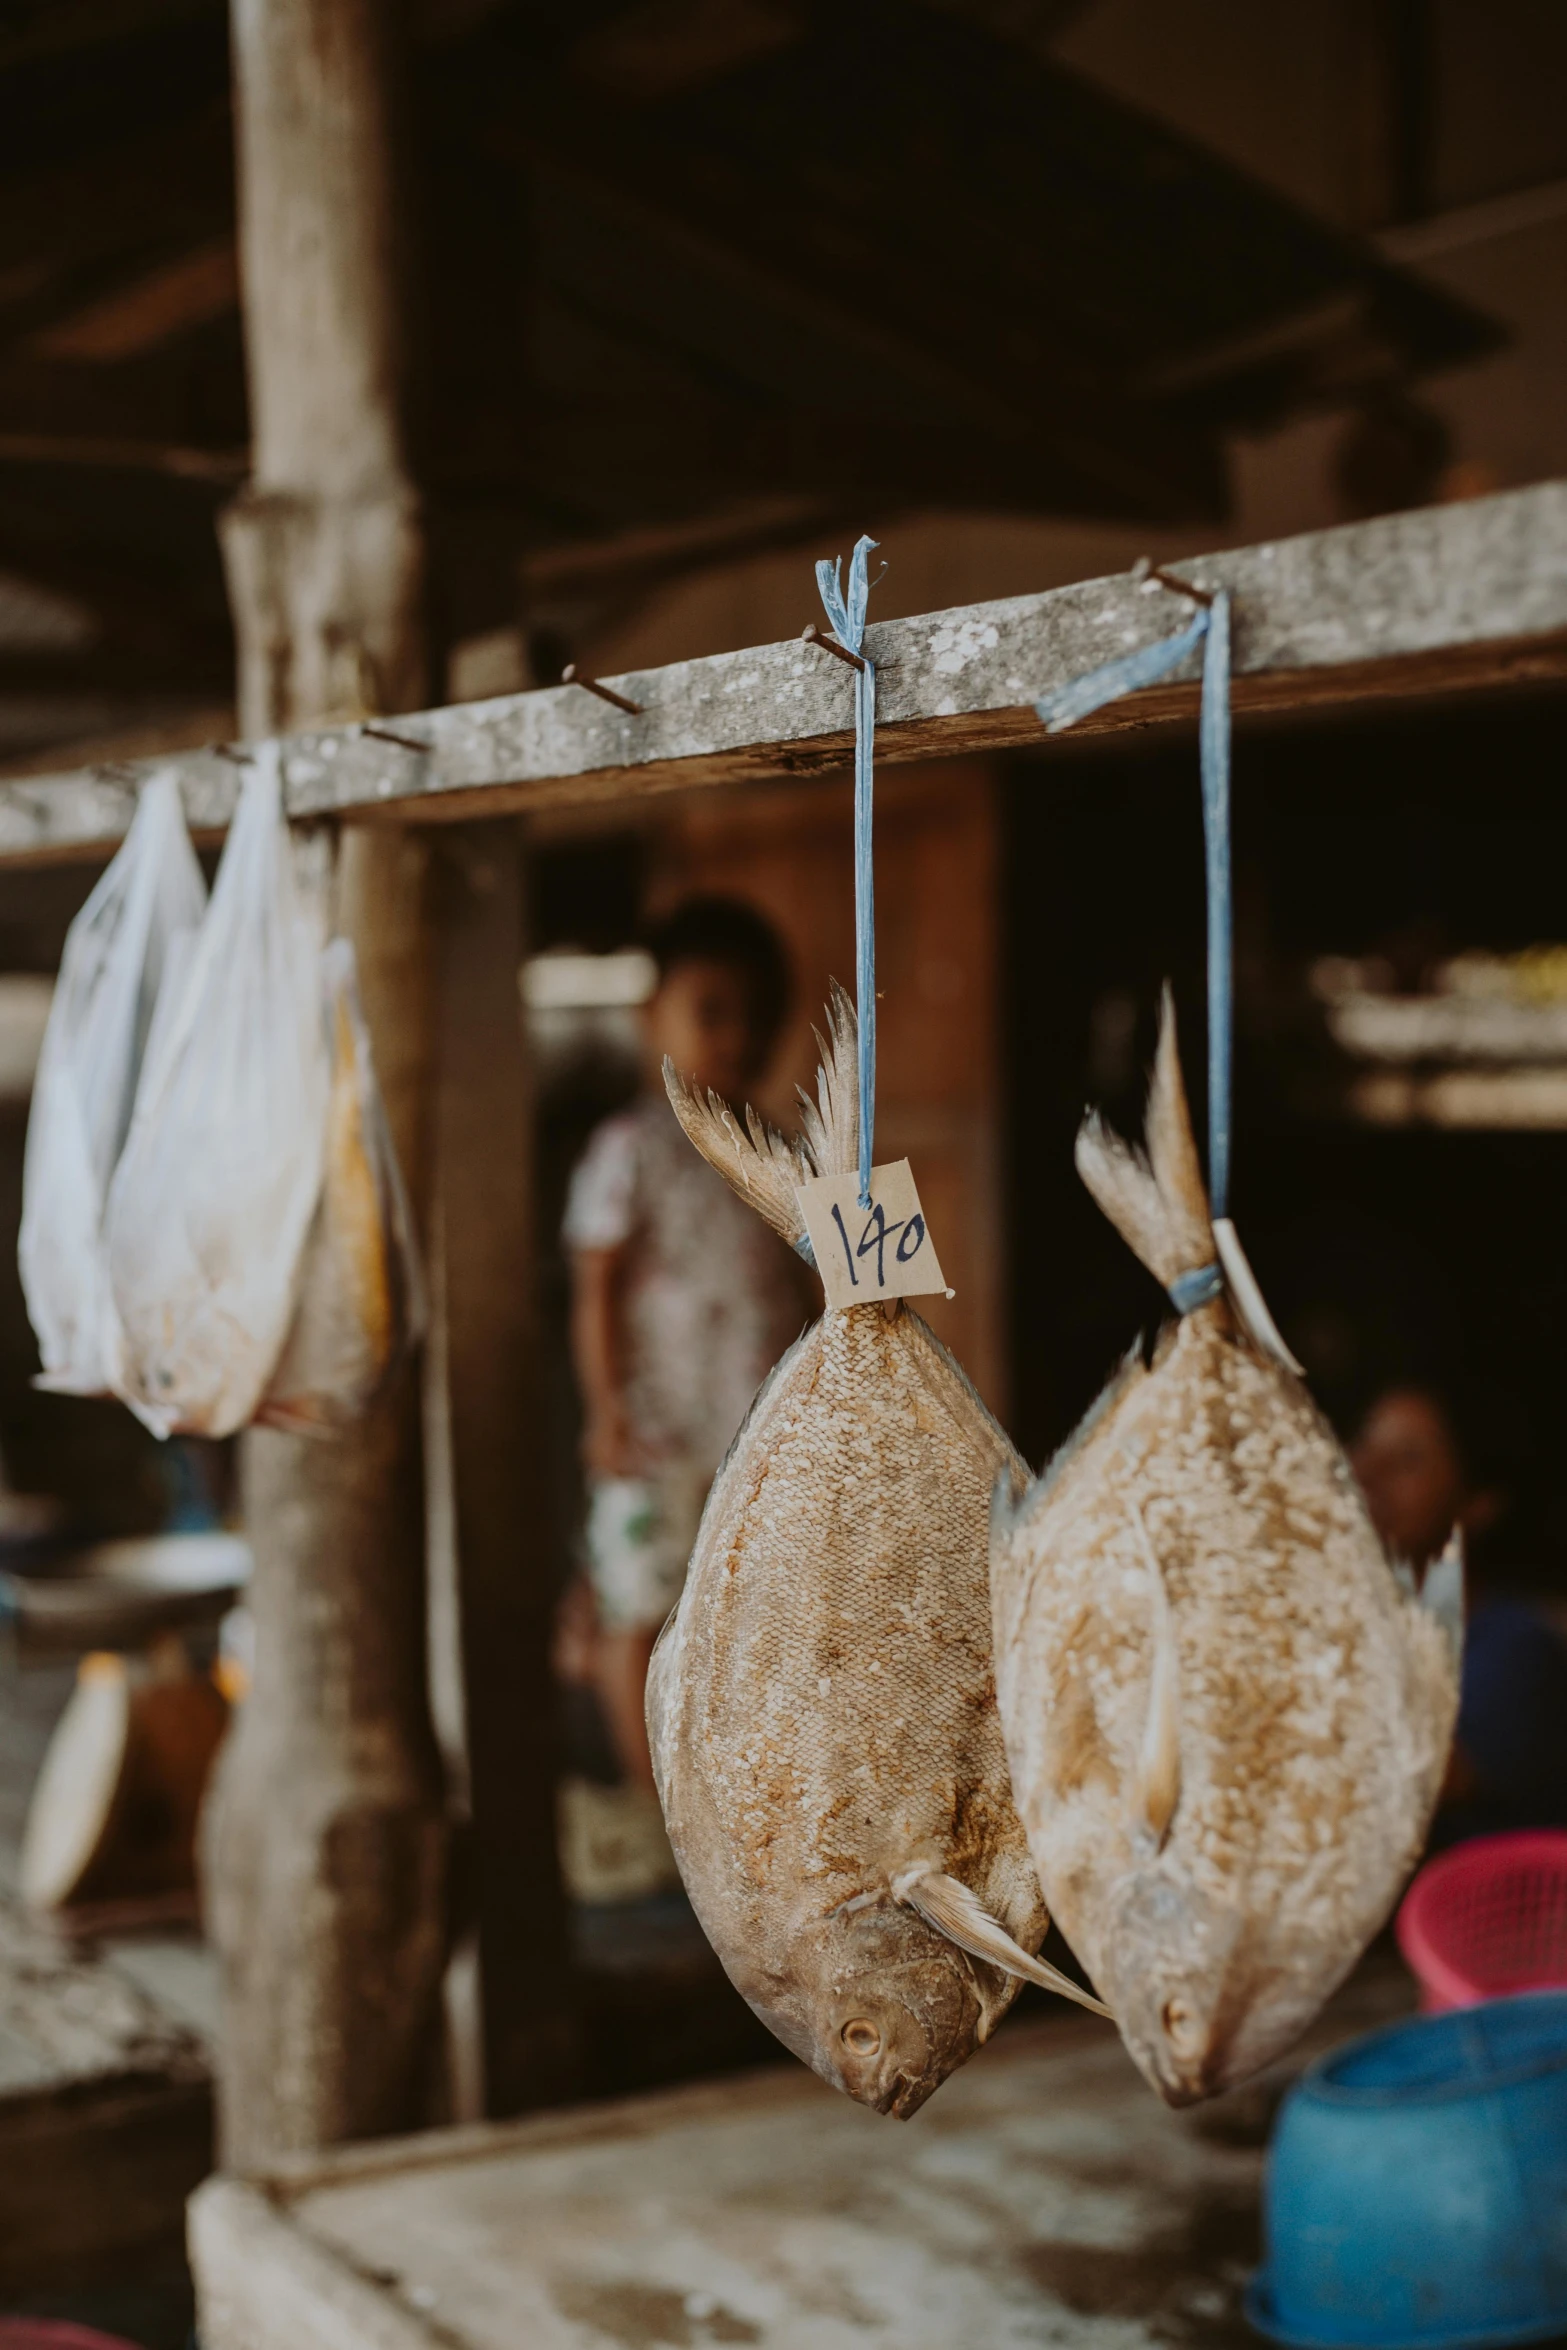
(762, 1165)
(1158, 1201)
(758, 1162)
(1172, 1146)
(831, 1124)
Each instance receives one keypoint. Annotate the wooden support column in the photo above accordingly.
(504, 1547)
(326, 1837)
(325, 547)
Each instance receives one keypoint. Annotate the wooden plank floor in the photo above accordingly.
(1044, 2196)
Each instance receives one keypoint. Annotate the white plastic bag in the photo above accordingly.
(361, 1299)
(221, 1171)
(119, 954)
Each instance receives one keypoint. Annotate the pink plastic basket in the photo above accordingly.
(1488, 1918)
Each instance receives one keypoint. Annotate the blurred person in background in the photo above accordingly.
(682, 1299)
(1422, 1461)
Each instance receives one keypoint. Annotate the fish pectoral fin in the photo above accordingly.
(764, 1167)
(949, 1906)
(1246, 1297)
(1157, 1788)
(1442, 1593)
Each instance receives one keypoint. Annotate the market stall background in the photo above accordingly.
(1063, 285)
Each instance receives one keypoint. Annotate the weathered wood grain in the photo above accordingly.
(1043, 2196)
(65, 2020)
(1447, 599)
(263, 2284)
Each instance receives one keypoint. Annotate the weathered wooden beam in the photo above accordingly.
(1445, 600)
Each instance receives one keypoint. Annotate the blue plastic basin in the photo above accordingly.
(1417, 2187)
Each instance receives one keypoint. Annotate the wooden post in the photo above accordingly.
(326, 1837)
(502, 1543)
(325, 548)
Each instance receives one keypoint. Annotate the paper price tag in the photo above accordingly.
(867, 1253)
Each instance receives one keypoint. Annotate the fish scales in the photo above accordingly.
(821, 1705)
(1206, 1511)
(900, 1637)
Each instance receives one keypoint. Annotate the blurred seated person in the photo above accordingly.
(682, 1299)
(1420, 1469)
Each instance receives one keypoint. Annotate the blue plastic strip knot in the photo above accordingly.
(847, 615)
(1211, 630)
(1200, 1287)
(1128, 675)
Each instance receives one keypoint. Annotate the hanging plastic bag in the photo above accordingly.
(120, 953)
(361, 1298)
(221, 1171)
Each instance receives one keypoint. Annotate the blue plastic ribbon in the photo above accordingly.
(1200, 1287)
(847, 616)
(1213, 735)
(1127, 675)
(1063, 708)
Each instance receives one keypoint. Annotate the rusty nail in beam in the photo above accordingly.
(1142, 569)
(606, 693)
(404, 742)
(810, 634)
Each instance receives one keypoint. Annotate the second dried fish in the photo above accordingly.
(1226, 1717)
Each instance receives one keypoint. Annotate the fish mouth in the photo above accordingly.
(1189, 2080)
(903, 2097)
(1179, 2078)
(1177, 2092)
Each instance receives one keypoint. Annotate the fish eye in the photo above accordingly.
(860, 2036)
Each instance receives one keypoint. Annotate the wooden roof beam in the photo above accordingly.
(1446, 599)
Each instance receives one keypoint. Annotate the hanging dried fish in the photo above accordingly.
(1227, 1716)
(821, 1705)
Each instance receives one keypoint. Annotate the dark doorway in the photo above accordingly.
(1397, 1233)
